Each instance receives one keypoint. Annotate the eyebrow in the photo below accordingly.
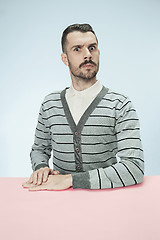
(79, 45)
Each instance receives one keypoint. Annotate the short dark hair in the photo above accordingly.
(75, 27)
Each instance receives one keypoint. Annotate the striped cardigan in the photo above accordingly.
(103, 150)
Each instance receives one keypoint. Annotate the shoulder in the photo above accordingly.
(116, 95)
(52, 96)
(118, 100)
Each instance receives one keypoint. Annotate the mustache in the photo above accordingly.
(90, 61)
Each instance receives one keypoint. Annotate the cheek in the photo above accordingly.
(96, 56)
(76, 61)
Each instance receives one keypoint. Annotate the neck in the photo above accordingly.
(80, 84)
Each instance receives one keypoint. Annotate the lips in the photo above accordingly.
(88, 65)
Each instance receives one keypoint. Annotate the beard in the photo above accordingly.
(88, 75)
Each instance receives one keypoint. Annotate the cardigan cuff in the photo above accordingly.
(81, 180)
(41, 166)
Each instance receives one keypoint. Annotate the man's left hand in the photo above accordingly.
(54, 182)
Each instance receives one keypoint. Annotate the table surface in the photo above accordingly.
(129, 213)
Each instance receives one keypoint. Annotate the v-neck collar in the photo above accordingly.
(86, 114)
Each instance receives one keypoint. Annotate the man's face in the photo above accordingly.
(82, 55)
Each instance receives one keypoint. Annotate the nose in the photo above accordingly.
(87, 54)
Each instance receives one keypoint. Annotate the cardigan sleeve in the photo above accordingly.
(129, 169)
(41, 149)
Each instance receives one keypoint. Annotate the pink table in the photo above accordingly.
(130, 213)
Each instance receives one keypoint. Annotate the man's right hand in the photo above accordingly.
(41, 175)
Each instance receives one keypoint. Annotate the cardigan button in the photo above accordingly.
(77, 149)
(76, 133)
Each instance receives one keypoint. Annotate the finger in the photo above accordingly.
(26, 184)
(30, 181)
(35, 176)
(53, 172)
(39, 177)
(45, 174)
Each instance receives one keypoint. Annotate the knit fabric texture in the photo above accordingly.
(103, 150)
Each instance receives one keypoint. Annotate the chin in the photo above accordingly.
(90, 76)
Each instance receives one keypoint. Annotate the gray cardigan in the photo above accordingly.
(107, 131)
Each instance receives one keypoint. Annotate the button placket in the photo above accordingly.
(77, 150)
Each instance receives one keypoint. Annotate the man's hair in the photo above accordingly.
(75, 27)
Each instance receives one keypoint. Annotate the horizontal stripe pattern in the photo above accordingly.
(112, 130)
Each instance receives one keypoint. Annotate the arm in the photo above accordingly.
(129, 169)
(41, 149)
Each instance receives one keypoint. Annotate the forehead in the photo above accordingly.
(80, 38)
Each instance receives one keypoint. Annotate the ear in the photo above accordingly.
(98, 52)
(64, 58)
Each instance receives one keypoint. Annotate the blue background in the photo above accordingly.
(31, 67)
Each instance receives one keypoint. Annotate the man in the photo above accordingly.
(86, 126)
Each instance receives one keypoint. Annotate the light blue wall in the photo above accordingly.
(31, 67)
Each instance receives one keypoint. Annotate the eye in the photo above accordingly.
(91, 48)
(77, 49)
